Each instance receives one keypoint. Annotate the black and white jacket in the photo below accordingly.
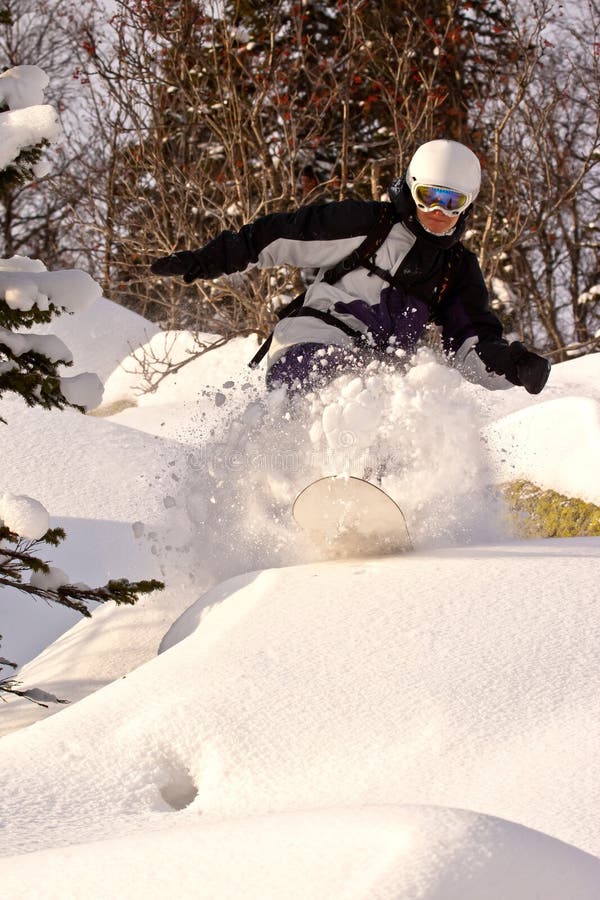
(320, 236)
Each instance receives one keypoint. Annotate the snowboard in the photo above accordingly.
(348, 516)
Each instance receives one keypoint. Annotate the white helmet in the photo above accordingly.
(445, 164)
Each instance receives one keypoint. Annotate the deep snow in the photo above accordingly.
(417, 727)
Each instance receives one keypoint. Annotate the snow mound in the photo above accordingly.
(23, 516)
(292, 693)
(409, 852)
(197, 388)
(143, 370)
(83, 390)
(102, 336)
(379, 696)
(68, 461)
(579, 376)
(528, 444)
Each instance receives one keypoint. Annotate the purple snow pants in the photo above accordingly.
(308, 365)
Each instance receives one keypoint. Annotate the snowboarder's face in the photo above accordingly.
(435, 220)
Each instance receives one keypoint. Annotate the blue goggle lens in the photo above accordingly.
(428, 196)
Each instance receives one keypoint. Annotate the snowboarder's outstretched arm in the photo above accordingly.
(474, 334)
(313, 236)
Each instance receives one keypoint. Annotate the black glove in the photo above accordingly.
(183, 263)
(532, 370)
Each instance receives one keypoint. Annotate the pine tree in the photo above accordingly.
(33, 220)
(29, 367)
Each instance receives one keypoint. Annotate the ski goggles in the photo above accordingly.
(432, 196)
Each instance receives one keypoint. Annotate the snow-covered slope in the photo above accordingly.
(341, 687)
(103, 336)
(369, 728)
(411, 853)
(196, 391)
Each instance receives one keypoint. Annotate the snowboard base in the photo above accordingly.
(349, 516)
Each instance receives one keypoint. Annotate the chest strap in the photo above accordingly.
(358, 257)
(330, 319)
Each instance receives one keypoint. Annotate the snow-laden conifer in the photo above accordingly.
(32, 365)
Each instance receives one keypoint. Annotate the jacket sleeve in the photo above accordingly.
(465, 312)
(313, 236)
(471, 331)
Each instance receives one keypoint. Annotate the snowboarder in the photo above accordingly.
(386, 269)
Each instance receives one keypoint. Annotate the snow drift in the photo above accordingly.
(420, 727)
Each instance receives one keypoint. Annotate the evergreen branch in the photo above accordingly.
(34, 695)
(121, 591)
